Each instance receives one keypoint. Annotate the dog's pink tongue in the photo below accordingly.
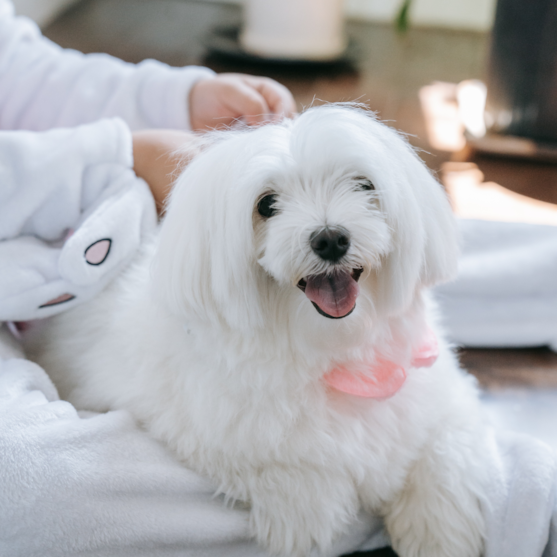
(335, 294)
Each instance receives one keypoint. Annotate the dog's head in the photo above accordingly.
(329, 218)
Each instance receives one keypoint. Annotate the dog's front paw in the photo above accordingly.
(438, 513)
(304, 511)
(420, 536)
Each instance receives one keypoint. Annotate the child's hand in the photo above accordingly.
(158, 156)
(220, 100)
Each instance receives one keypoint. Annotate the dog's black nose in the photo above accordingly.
(330, 243)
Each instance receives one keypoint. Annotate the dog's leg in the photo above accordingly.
(294, 509)
(438, 514)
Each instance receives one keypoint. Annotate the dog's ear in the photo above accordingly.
(423, 232)
(205, 265)
(421, 220)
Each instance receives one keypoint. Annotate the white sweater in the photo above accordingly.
(43, 86)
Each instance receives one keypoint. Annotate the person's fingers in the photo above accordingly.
(277, 96)
(246, 102)
(221, 100)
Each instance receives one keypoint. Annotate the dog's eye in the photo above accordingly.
(365, 184)
(266, 206)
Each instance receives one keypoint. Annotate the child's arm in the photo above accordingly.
(159, 155)
(43, 86)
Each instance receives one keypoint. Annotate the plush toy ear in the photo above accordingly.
(205, 265)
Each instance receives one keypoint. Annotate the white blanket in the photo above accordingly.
(506, 291)
(98, 486)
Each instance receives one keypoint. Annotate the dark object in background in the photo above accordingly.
(224, 42)
(522, 71)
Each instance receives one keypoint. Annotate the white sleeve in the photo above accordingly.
(72, 214)
(43, 86)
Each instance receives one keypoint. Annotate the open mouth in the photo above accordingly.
(333, 295)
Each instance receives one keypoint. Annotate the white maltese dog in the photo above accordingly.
(277, 336)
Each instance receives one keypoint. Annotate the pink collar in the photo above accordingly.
(384, 378)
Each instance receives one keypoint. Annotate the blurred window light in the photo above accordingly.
(444, 127)
(472, 198)
(471, 95)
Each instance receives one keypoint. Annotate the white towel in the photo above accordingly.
(506, 291)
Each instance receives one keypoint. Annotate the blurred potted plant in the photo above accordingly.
(402, 18)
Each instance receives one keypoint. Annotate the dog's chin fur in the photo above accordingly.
(208, 341)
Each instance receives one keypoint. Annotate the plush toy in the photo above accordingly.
(101, 214)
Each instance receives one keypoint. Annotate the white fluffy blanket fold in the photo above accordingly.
(506, 293)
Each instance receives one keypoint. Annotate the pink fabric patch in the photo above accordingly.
(17, 328)
(61, 299)
(96, 253)
(385, 378)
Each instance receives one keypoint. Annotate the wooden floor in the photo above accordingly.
(387, 73)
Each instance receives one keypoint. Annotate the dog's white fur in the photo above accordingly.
(209, 344)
